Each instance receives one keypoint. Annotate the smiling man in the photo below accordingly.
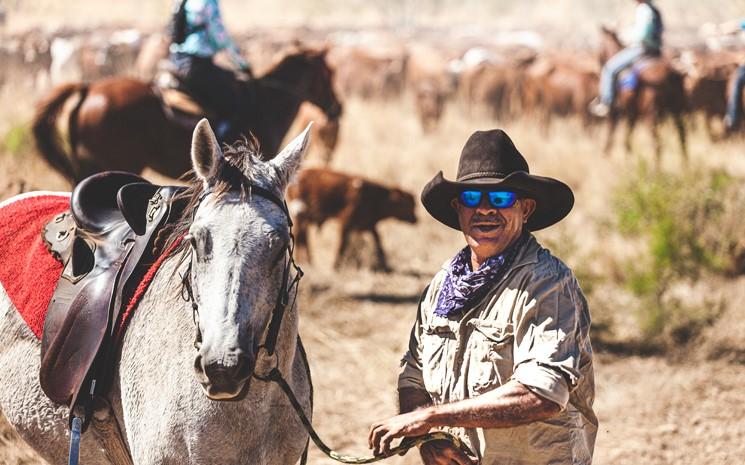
(500, 352)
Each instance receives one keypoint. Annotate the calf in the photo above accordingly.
(359, 204)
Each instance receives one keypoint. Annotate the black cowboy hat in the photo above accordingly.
(489, 160)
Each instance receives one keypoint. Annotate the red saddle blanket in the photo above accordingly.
(28, 272)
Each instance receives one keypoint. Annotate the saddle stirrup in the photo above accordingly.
(75, 431)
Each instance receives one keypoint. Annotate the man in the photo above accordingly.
(644, 39)
(198, 34)
(734, 104)
(500, 353)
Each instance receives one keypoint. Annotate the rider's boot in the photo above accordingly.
(598, 108)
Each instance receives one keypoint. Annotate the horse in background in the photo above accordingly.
(184, 390)
(326, 133)
(658, 92)
(122, 124)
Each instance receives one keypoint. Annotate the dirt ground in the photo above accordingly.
(650, 410)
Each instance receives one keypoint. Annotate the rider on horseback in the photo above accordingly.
(644, 39)
(734, 104)
(197, 34)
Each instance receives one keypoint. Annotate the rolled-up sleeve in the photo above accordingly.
(549, 336)
(411, 363)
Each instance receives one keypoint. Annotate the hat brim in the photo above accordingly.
(554, 199)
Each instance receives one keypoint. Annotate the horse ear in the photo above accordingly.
(288, 160)
(206, 155)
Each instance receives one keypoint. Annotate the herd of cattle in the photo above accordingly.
(505, 80)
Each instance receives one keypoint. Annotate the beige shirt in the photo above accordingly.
(532, 327)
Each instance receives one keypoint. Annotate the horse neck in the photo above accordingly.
(611, 46)
(279, 95)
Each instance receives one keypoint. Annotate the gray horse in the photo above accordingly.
(176, 405)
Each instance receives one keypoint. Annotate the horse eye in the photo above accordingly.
(207, 245)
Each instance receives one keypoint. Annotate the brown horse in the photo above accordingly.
(122, 124)
(659, 93)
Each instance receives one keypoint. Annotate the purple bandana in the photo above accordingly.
(461, 283)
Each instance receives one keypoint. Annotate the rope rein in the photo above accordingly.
(274, 375)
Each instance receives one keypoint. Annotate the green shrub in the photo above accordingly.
(17, 140)
(685, 224)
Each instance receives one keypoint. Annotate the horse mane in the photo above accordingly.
(236, 175)
(612, 35)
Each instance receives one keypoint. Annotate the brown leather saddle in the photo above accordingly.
(105, 244)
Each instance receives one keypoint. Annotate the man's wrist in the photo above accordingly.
(430, 415)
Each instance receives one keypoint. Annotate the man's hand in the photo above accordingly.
(382, 433)
(442, 452)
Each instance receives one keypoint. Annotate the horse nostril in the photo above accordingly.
(232, 367)
(244, 367)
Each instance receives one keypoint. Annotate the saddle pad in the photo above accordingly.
(29, 273)
(629, 78)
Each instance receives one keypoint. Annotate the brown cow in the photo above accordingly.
(491, 85)
(359, 204)
(374, 72)
(709, 96)
(706, 76)
(430, 103)
(559, 84)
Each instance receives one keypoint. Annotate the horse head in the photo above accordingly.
(240, 241)
(610, 44)
(309, 73)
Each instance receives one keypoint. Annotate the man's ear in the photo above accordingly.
(528, 207)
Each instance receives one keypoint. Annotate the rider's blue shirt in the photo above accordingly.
(208, 35)
(647, 29)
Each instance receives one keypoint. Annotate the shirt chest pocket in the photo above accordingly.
(437, 347)
(490, 359)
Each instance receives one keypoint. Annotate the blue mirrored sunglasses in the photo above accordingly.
(497, 199)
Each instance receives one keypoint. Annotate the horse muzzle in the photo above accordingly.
(224, 376)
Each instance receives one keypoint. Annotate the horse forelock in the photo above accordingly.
(244, 166)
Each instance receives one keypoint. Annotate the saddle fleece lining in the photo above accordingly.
(28, 272)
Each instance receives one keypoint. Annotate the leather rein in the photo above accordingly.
(273, 374)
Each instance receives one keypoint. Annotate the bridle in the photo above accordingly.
(286, 289)
(273, 374)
